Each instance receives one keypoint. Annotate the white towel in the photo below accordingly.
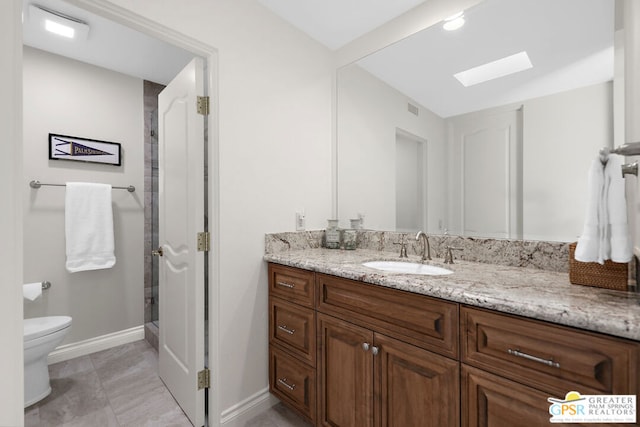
(89, 227)
(604, 252)
(588, 247)
(618, 230)
(605, 234)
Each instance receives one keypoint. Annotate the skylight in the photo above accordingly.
(495, 69)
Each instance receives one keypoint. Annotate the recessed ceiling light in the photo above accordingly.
(58, 23)
(492, 70)
(454, 22)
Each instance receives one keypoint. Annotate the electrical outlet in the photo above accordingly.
(300, 221)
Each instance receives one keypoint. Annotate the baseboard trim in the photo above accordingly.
(92, 345)
(240, 413)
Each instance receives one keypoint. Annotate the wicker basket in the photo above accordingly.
(611, 275)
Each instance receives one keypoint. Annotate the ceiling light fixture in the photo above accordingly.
(492, 70)
(454, 22)
(58, 23)
(61, 30)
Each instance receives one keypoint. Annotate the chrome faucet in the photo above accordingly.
(403, 246)
(448, 254)
(426, 249)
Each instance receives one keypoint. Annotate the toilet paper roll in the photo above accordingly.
(31, 291)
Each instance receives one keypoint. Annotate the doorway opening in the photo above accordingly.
(411, 182)
(151, 123)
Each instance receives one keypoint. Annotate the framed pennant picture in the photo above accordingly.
(64, 147)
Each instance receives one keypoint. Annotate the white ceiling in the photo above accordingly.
(335, 23)
(119, 48)
(570, 43)
(109, 45)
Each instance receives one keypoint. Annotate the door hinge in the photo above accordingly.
(203, 379)
(204, 241)
(203, 105)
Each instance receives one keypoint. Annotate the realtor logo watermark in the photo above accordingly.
(577, 408)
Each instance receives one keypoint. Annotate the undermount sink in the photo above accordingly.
(407, 268)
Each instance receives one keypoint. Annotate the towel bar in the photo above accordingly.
(630, 169)
(628, 149)
(37, 184)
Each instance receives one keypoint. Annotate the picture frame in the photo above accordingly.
(74, 148)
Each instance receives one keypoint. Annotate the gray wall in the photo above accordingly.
(71, 98)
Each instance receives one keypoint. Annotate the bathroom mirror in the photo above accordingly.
(507, 158)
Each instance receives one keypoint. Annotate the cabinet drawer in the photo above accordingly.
(417, 319)
(293, 327)
(293, 382)
(292, 284)
(548, 357)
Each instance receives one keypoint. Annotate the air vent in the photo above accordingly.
(413, 109)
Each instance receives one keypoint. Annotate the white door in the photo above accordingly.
(181, 216)
(489, 149)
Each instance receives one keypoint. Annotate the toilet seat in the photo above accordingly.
(41, 326)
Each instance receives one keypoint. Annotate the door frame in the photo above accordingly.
(210, 56)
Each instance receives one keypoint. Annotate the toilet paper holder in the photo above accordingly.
(46, 285)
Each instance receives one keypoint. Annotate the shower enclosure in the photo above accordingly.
(154, 217)
(151, 91)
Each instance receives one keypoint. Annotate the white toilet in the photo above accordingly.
(41, 336)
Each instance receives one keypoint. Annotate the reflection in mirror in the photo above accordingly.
(507, 158)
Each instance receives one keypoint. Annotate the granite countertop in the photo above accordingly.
(528, 292)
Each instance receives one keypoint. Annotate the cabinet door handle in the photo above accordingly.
(365, 346)
(547, 362)
(375, 350)
(286, 285)
(283, 381)
(287, 330)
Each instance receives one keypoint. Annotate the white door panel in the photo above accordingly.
(488, 149)
(181, 217)
(486, 189)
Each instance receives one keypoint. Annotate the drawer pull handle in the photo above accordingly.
(286, 285)
(287, 330)
(283, 381)
(374, 350)
(547, 362)
(365, 346)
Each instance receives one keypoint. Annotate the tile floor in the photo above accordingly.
(278, 416)
(120, 387)
(116, 387)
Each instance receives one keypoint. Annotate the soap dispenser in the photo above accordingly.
(332, 234)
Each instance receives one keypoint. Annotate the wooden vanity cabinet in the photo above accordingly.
(369, 378)
(292, 339)
(350, 354)
(511, 365)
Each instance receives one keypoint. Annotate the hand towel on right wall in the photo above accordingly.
(605, 234)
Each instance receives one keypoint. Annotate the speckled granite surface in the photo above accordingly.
(529, 292)
(552, 256)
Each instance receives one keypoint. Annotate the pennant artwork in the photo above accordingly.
(63, 147)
